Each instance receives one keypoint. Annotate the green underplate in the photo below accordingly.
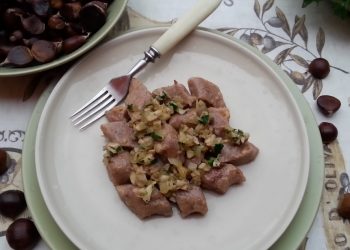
(115, 11)
(46, 225)
(291, 238)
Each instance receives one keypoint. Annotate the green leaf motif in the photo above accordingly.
(298, 26)
(317, 88)
(303, 32)
(156, 136)
(229, 31)
(232, 32)
(320, 40)
(267, 5)
(257, 8)
(297, 77)
(285, 24)
(283, 55)
(309, 81)
(299, 60)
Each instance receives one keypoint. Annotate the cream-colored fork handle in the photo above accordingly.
(185, 24)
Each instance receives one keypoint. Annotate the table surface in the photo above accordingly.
(292, 40)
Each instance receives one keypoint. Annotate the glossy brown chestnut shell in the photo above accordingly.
(22, 234)
(327, 104)
(319, 68)
(328, 131)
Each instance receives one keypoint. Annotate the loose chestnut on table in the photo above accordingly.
(12, 203)
(328, 131)
(319, 68)
(22, 234)
(344, 206)
(328, 105)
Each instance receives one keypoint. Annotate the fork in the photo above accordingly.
(117, 88)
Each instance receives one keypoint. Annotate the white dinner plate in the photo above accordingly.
(84, 203)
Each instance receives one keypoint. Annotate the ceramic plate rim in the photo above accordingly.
(246, 51)
(49, 230)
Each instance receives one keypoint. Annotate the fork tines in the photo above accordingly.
(93, 109)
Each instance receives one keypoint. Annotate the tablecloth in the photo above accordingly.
(290, 35)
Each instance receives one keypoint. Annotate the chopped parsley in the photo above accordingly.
(237, 136)
(154, 161)
(156, 136)
(129, 107)
(174, 106)
(217, 149)
(204, 119)
(213, 162)
(112, 149)
(163, 96)
(212, 156)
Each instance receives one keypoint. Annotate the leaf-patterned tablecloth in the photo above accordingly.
(290, 35)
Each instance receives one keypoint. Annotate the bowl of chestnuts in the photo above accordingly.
(37, 35)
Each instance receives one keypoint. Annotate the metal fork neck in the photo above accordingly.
(150, 56)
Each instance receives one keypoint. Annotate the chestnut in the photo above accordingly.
(70, 11)
(19, 56)
(344, 206)
(33, 24)
(4, 50)
(43, 51)
(29, 42)
(12, 18)
(72, 43)
(40, 7)
(56, 4)
(327, 104)
(16, 36)
(12, 203)
(56, 22)
(22, 234)
(93, 15)
(319, 68)
(73, 29)
(328, 131)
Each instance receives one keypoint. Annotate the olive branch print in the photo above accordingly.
(285, 48)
